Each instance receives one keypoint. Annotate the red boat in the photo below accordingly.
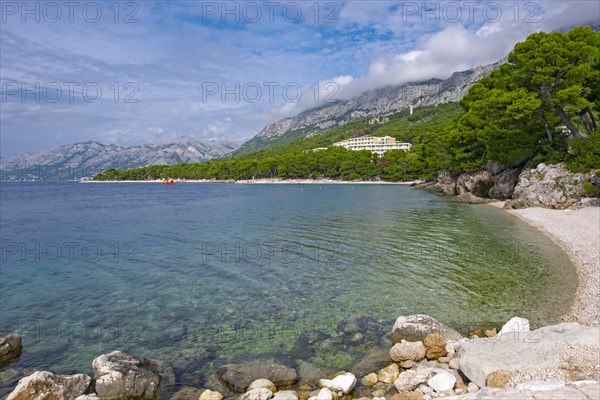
(171, 182)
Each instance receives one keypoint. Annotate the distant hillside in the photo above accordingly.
(383, 101)
(74, 161)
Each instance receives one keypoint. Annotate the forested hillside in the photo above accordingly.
(541, 106)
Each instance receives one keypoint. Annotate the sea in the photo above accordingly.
(199, 275)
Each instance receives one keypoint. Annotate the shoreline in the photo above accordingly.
(267, 181)
(577, 233)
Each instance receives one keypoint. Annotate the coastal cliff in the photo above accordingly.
(548, 186)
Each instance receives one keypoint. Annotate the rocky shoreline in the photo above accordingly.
(427, 360)
(547, 186)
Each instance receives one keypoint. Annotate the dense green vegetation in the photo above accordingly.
(541, 106)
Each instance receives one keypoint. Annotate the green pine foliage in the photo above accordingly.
(541, 106)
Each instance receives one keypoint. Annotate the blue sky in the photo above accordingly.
(135, 72)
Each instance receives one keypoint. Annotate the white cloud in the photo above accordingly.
(170, 53)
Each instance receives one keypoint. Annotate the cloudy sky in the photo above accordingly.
(135, 72)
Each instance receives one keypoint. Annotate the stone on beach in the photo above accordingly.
(324, 394)
(44, 385)
(260, 393)
(286, 395)
(369, 380)
(414, 351)
(344, 382)
(416, 327)
(498, 379)
(262, 383)
(210, 395)
(416, 395)
(388, 374)
(515, 324)
(442, 382)
(435, 346)
(409, 380)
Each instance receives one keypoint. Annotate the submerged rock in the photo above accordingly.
(121, 375)
(44, 385)
(374, 360)
(416, 327)
(304, 347)
(238, 377)
(10, 348)
(188, 393)
(470, 198)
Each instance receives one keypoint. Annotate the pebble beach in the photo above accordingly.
(577, 232)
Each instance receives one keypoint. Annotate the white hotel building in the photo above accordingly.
(377, 145)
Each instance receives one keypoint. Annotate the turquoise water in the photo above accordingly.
(203, 274)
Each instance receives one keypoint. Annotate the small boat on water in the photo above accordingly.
(168, 182)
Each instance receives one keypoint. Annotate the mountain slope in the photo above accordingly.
(85, 159)
(372, 103)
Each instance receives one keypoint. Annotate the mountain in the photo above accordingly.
(377, 102)
(79, 160)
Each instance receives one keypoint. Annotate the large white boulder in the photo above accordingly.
(568, 350)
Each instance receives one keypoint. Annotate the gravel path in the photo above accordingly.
(578, 233)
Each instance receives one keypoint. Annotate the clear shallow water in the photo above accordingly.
(203, 274)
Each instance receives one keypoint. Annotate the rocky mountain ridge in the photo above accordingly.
(382, 101)
(85, 159)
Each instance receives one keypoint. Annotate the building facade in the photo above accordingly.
(374, 144)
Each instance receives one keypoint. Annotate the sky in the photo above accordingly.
(134, 72)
